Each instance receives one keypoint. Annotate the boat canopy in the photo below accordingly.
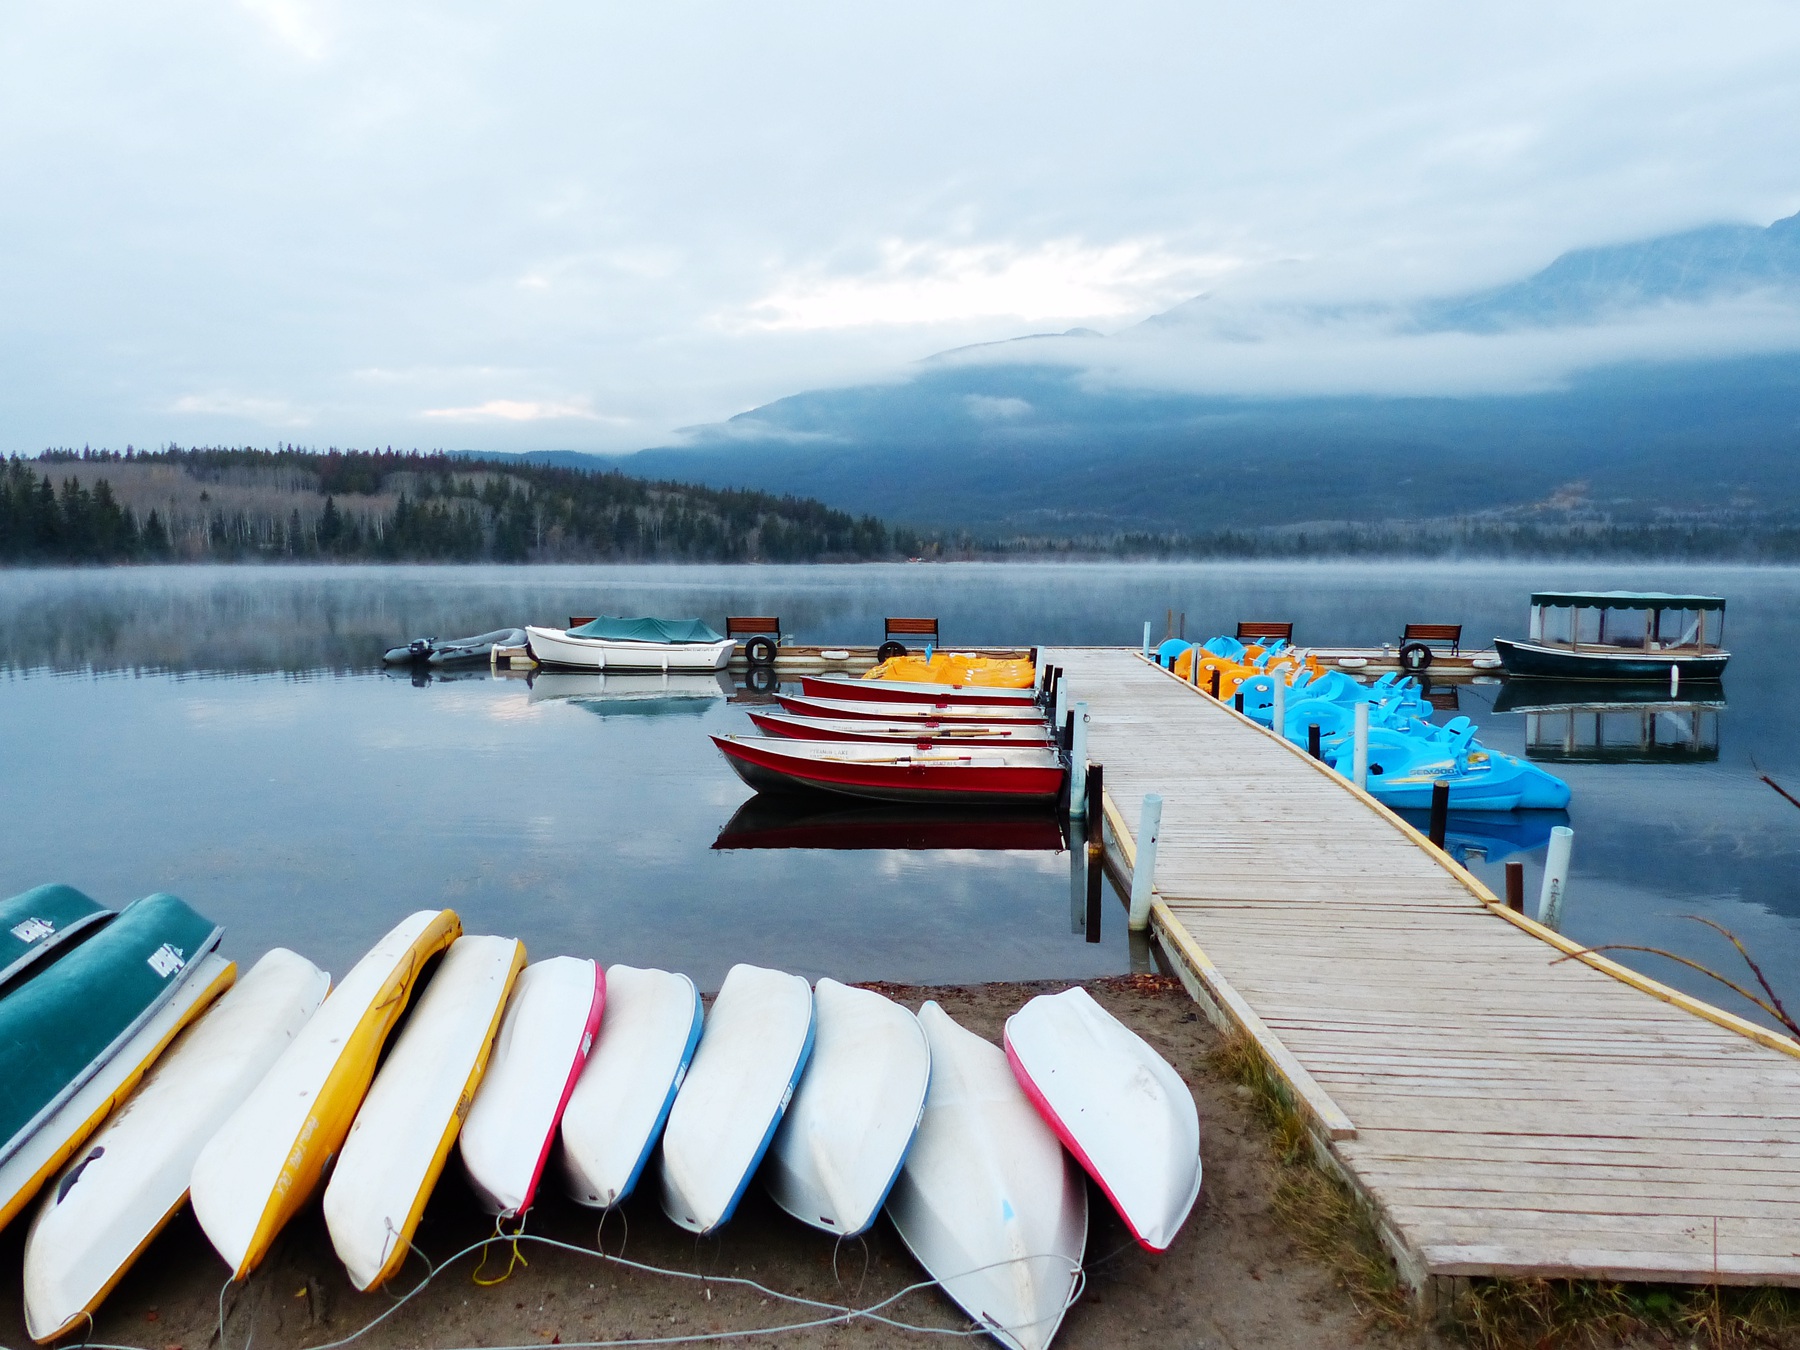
(1625, 600)
(647, 630)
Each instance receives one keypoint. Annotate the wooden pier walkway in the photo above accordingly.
(1505, 1108)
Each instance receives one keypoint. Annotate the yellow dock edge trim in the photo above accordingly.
(342, 1092)
(403, 1247)
(1331, 1118)
(54, 1164)
(1743, 1026)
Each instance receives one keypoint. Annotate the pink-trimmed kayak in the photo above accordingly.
(1116, 1105)
(909, 730)
(975, 775)
(906, 691)
(874, 710)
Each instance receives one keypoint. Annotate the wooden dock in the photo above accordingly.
(1506, 1108)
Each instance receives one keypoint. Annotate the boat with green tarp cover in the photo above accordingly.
(39, 921)
(609, 643)
(59, 1028)
(1619, 635)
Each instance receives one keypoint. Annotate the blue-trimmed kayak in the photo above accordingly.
(39, 921)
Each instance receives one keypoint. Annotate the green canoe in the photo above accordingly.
(58, 1028)
(40, 921)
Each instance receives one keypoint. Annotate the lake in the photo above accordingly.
(228, 734)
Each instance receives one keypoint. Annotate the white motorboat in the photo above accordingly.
(408, 1123)
(667, 645)
(1120, 1107)
(757, 1040)
(543, 1044)
(132, 1176)
(622, 1099)
(854, 1115)
(988, 1201)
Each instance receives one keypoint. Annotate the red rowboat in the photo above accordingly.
(905, 691)
(974, 775)
(984, 713)
(917, 730)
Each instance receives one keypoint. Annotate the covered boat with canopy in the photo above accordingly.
(608, 643)
(1620, 635)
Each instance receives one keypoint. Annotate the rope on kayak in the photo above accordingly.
(500, 1235)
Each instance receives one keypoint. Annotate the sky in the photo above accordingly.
(590, 225)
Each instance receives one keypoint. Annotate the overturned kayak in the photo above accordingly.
(622, 1099)
(875, 710)
(131, 1177)
(37, 922)
(408, 1124)
(543, 1043)
(757, 1041)
(847, 1131)
(911, 729)
(899, 773)
(910, 691)
(1116, 1104)
(988, 1202)
(453, 651)
(272, 1153)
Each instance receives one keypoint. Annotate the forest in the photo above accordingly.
(232, 505)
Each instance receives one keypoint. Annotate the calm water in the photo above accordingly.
(228, 735)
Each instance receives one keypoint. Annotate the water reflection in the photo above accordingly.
(1570, 723)
(633, 695)
(796, 821)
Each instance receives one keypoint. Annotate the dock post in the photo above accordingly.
(1078, 718)
(1143, 870)
(1215, 681)
(1674, 681)
(1237, 701)
(1280, 710)
(1312, 741)
(1359, 756)
(1146, 637)
(1556, 877)
(1096, 857)
(1059, 706)
(1440, 812)
(1515, 887)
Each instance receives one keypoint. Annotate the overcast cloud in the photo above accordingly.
(586, 225)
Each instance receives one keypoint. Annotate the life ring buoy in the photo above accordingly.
(887, 651)
(1414, 657)
(760, 651)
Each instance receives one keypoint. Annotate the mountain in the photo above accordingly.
(1659, 380)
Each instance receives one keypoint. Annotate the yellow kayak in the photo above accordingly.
(957, 668)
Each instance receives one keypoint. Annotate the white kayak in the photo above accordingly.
(54, 1142)
(409, 1121)
(270, 1156)
(616, 1113)
(854, 1114)
(1120, 1107)
(988, 1201)
(543, 1043)
(132, 1177)
(758, 1036)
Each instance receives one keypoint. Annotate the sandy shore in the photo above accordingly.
(1234, 1279)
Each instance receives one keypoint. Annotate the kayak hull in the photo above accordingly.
(907, 731)
(39, 921)
(904, 691)
(1028, 714)
(882, 773)
(554, 647)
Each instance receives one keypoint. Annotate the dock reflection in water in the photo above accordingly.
(632, 694)
(1588, 723)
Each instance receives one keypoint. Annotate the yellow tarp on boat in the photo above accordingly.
(957, 668)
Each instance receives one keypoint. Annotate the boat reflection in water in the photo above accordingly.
(1490, 836)
(1580, 722)
(780, 821)
(638, 694)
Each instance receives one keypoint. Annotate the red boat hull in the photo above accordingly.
(877, 711)
(902, 781)
(930, 732)
(893, 691)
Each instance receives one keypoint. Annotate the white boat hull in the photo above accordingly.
(622, 1099)
(543, 1043)
(988, 1201)
(758, 1036)
(408, 1123)
(271, 1154)
(132, 1176)
(554, 647)
(854, 1115)
(1117, 1105)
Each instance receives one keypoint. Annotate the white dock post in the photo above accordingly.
(1359, 760)
(1556, 877)
(1674, 681)
(1146, 637)
(1078, 805)
(1280, 708)
(1060, 709)
(1143, 871)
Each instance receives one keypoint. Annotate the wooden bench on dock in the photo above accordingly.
(764, 632)
(1250, 631)
(1447, 633)
(905, 628)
